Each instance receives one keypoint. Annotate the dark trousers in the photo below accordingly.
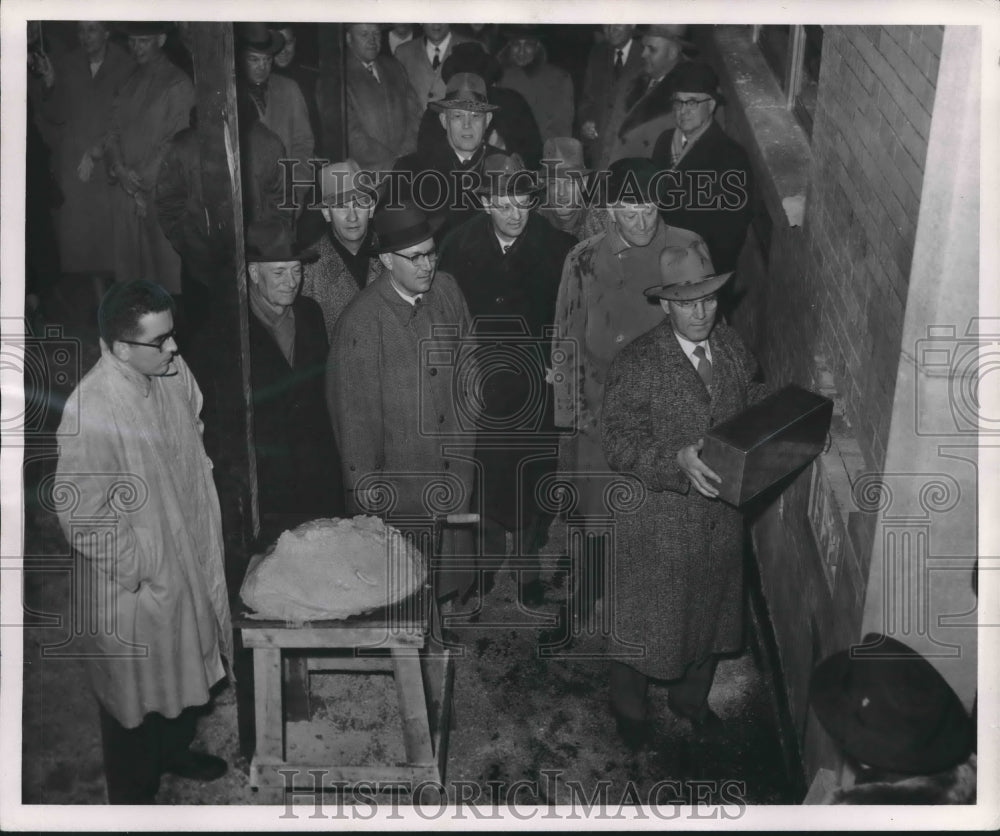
(134, 759)
(688, 695)
(528, 542)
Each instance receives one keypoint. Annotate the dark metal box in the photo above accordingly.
(763, 444)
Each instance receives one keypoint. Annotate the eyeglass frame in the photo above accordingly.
(430, 255)
(688, 104)
(172, 335)
(687, 304)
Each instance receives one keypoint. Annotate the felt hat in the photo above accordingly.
(396, 227)
(471, 58)
(465, 91)
(686, 274)
(888, 707)
(631, 181)
(676, 32)
(257, 37)
(694, 77)
(271, 240)
(340, 183)
(562, 156)
(506, 174)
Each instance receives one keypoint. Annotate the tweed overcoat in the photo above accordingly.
(424, 78)
(287, 115)
(512, 299)
(722, 212)
(678, 555)
(135, 498)
(393, 396)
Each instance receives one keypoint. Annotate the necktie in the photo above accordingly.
(371, 68)
(618, 64)
(437, 58)
(505, 247)
(704, 366)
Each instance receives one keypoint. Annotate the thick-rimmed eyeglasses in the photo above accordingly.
(707, 301)
(689, 104)
(158, 345)
(429, 258)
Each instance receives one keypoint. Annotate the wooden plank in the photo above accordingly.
(334, 664)
(268, 704)
(297, 706)
(413, 708)
(356, 637)
(442, 719)
(331, 91)
(268, 775)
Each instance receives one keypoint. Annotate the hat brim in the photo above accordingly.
(521, 190)
(275, 43)
(441, 105)
(375, 192)
(434, 223)
(689, 292)
(944, 747)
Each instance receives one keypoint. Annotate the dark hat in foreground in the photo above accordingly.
(506, 174)
(145, 28)
(465, 91)
(562, 156)
(258, 38)
(694, 77)
(888, 707)
(271, 240)
(632, 181)
(396, 227)
(471, 58)
(686, 274)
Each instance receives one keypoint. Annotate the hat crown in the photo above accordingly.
(270, 240)
(342, 180)
(507, 174)
(685, 265)
(694, 77)
(630, 180)
(400, 226)
(564, 151)
(466, 87)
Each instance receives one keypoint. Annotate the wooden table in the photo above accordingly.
(395, 640)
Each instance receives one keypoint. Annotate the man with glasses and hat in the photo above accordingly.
(142, 515)
(394, 381)
(441, 179)
(277, 98)
(600, 310)
(679, 555)
(710, 186)
(345, 263)
(508, 261)
(152, 105)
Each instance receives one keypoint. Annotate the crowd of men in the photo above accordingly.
(493, 288)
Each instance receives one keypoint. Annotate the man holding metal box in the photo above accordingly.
(679, 556)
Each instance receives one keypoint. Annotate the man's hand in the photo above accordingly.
(85, 168)
(697, 471)
(589, 129)
(140, 204)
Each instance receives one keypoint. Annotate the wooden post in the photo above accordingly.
(226, 377)
(331, 91)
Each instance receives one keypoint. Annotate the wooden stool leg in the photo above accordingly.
(412, 706)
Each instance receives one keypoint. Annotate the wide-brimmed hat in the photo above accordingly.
(145, 28)
(676, 32)
(257, 37)
(506, 174)
(465, 91)
(471, 58)
(888, 707)
(340, 183)
(631, 180)
(694, 77)
(686, 274)
(271, 240)
(562, 156)
(396, 227)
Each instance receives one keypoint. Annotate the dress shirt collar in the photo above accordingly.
(625, 52)
(443, 47)
(689, 348)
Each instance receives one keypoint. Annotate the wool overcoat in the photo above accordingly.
(424, 77)
(135, 498)
(601, 89)
(678, 558)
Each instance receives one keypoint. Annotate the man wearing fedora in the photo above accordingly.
(405, 430)
(679, 556)
(423, 57)
(345, 264)
(441, 179)
(508, 261)
(642, 109)
(709, 189)
(600, 310)
(547, 88)
(297, 466)
(513, 127)
(278, 99)
(152, 105)
(612, 66)
(383, 110)
(564, 176)
(900, 727)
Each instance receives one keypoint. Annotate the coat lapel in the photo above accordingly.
(651, 104)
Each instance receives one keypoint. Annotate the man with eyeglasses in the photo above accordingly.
(508, 262)
(345, 264)
(143, 518)
(395, 379)
(679, 555)
(710, 185)
(600, 310)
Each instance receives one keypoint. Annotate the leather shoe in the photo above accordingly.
(197, 766)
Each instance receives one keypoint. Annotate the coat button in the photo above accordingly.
(433, 372)
(440, 419)
(447, 465)
(499, 300)
(619, 338)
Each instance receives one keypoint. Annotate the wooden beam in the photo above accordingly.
(331, 91)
